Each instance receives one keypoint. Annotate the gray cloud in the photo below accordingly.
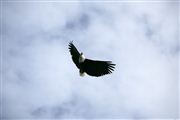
(81, 23)
(41, 81)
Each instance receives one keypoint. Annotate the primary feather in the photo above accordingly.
(75, 54)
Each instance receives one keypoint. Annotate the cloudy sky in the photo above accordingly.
(39, 79)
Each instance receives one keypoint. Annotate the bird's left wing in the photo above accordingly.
(98, 68)
(75, 54)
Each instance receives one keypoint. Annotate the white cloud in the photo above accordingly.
(41, 81)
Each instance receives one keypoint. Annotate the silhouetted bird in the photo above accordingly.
(91, 67)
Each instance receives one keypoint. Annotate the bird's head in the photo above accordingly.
(82, 57)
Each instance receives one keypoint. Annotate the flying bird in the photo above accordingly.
(91, 67)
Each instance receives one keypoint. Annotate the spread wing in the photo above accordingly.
(75, 54)
(98, 68)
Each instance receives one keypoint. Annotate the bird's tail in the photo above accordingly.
(81, 73)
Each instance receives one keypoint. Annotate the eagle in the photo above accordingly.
(94, 68)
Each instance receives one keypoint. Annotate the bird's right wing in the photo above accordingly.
(98, 68)
(75, 54)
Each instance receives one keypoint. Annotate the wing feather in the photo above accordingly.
(75, 54)
(98, 68)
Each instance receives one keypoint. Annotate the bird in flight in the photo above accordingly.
(91, 67)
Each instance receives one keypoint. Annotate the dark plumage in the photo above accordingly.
(91, 67)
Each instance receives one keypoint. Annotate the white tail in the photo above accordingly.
(82, 74)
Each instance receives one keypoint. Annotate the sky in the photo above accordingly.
(39, 79)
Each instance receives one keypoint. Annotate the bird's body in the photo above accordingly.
(91, 67)
(81, 65)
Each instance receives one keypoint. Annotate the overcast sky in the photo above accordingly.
(39, 79)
